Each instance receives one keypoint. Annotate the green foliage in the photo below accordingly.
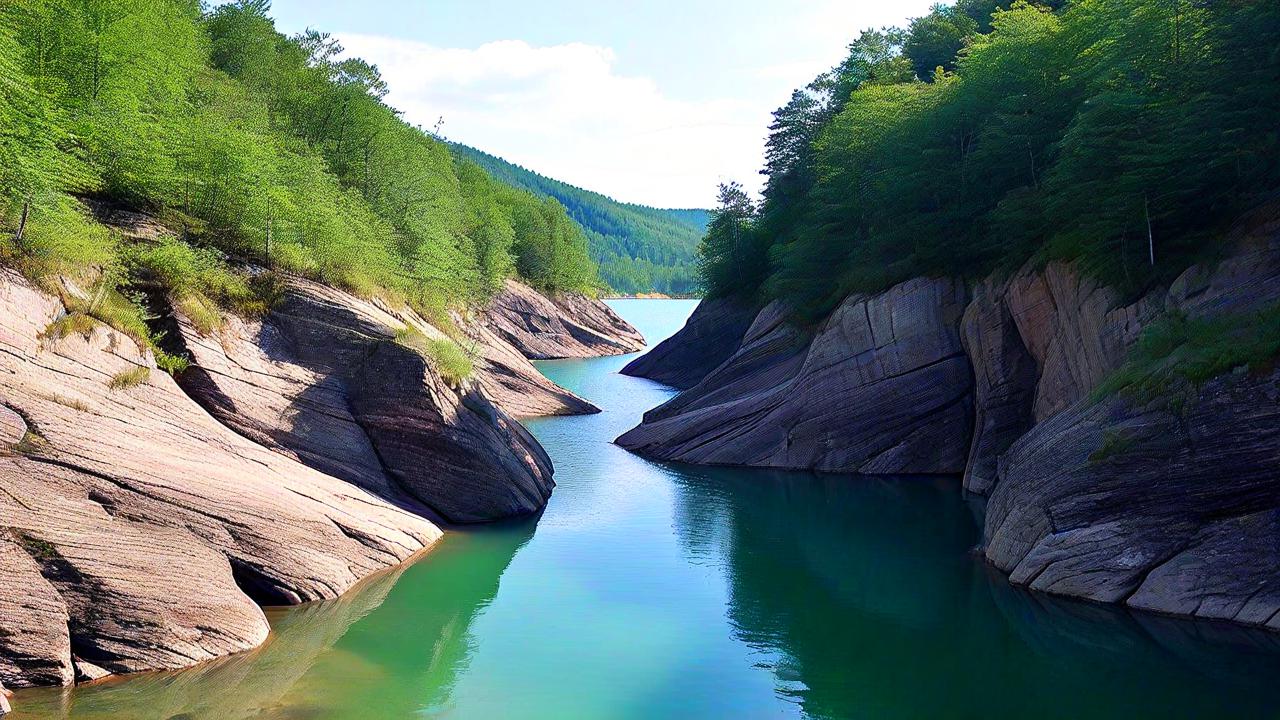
(446, 356)
(251, 146)
(1114, 443)
(934, 40)
(1118, 134)
(72, 323)
(132, 377)
(639, 248)
(730, 255)
(1177, 350)
(172, 364)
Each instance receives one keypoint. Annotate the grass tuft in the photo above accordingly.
(72, 323)
(129, 378)
(201, 311)
(446, 356)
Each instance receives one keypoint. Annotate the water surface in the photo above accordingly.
(652, 591)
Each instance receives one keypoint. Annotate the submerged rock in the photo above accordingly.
(322, 379)
(712, 334)
(140, 530)
(883, 386)
(563, 325)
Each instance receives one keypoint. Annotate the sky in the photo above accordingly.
(652, 102)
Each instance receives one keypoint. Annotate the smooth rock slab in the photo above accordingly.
(155, 526)
(884, 387)
(564, 325)
(712, 334)
(1166, 507)
(323, 380)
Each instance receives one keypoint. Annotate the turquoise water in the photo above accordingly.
(651, 591)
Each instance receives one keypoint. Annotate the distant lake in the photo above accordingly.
(653, 591)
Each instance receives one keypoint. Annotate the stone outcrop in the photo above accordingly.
(883, 386)
(1160, 506)
(562, 325)
(1165, 504)
(323, 380)
(137, 532)
(712, 334)
(1170, 504)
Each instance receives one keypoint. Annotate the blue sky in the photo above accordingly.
(652, 102)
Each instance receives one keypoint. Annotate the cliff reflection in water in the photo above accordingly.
(867, 596)
(329, 660)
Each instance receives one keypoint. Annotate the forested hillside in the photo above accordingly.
(250, 146)
(639, 248)
(1121, 134)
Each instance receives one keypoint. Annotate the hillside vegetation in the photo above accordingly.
(639, 249)
(1121, 134)
(250, 146)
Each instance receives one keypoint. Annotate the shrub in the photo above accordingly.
(1177, 349)
(450, 360)
(172, 364)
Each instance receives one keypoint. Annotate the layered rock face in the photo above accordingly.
(713, 332)
(137, 532)
(323, 380)
(883, 386)
(1169, 504)
(564, 325)
(1166, 504)
(1168, 509)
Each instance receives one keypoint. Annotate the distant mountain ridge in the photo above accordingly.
(639, 248)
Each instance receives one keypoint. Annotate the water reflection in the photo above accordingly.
(867, 593)
(335, 659)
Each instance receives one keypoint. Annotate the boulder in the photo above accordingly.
(882, 387)
(323, 380)
(146, 532)
(710, 336)
(563, 325)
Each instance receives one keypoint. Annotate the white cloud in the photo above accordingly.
(566, 112)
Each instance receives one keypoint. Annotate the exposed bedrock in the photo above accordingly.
(1170, 503)
(1163, 506)
(137, 532)
(562, 325)
(1042, 341)
(323, 380)
(882, 386)
(712, 334)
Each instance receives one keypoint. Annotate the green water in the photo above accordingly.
(648, 591)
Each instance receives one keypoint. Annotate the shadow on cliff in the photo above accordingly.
(380, 417)
(867, 597)
(391, 647)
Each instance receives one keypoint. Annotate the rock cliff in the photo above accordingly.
(882, 386)
(323, 380)
(714, 331)
(137, 531)
(1167, 504)
(562, 325)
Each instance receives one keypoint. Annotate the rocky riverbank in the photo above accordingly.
(1164, 501)
(145, 519)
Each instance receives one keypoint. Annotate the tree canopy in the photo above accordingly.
(252, 146)
(1107, 132)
